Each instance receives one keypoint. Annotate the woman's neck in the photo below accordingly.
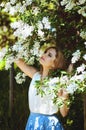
(45, 73)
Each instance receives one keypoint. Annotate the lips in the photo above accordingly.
(42, 58)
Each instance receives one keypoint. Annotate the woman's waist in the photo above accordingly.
(43, 109)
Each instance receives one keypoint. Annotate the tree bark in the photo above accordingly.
(85, 112)
(11, 85)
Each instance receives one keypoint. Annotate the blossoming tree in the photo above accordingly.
(37, 21)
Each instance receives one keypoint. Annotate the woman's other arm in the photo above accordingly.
(64, 109)
(28, 70)
(65, 96)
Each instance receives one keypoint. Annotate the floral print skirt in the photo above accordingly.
(38, 121)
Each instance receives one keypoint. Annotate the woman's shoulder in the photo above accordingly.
(36, 74)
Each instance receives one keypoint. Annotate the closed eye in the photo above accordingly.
(50, 55)
(45, 52)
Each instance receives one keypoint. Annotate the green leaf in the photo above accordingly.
(2, 64)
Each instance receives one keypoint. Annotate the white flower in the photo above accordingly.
(83, 34)
(84, 57)
(36, 45)
(64, 80)
(78, 77)
(18, 48)
(2, 4)
(72, 88)
(81, 77)
(81, 68)
(64, 2)
(31, 60)
(53, 29)
(35, 10)
(9, 60)
(20, 78)
(5, 29)
(7, 7)
(22, 8)
(35, 50)
(13, 1)
(85, 44)
(28, 2)
(40, 25)
(27, 31)
(23, 30)
(3, 52)
(18, 7)
(22, 50)
(12, 10)
(69, 4)
(46, 23)
(53, 81)
(40, 33)
(82, 11)
(16, 24)
(76, 56)
(80, 2)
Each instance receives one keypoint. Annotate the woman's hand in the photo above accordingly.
(63, 94)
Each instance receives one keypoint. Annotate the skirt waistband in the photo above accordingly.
(40, 114)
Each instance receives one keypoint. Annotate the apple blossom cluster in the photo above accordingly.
(83, 34)
(13, 7)
(27, 46)
(20, 77)
(23, 30)
(32, 27)
(82, 11)
(80, 6)
(3, 52)
(76, 56)
(72, 84)
(70, 4)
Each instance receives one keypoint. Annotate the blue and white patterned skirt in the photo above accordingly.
(38, 121)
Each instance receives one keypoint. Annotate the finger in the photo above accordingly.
(60, 92)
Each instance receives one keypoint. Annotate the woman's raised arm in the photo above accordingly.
(28, 70)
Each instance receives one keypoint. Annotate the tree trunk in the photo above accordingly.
(11, 85)
(85, 112)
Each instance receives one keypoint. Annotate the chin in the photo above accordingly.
(41, 62)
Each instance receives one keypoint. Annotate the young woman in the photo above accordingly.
(43, 112)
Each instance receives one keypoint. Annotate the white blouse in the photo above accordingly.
(38, 104)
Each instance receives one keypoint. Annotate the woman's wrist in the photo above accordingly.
(63, 101)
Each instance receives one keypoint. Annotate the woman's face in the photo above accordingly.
(48, 58)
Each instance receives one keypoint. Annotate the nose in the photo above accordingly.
(44, 55)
